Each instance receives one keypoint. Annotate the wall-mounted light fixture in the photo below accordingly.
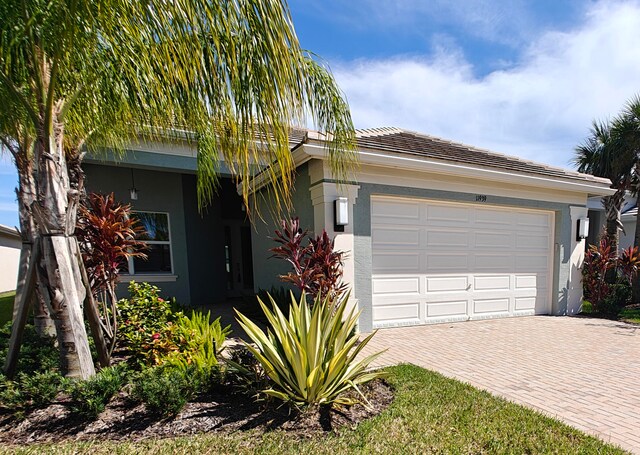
(583, 229)
(133, 191)
(341, 213)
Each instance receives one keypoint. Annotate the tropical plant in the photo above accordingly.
(627, 127)
(600, 155)
(199, 341)
(77, 76)
(107, 236)
(317, 266)
(599, 261)
(310, 356)
(148, 324)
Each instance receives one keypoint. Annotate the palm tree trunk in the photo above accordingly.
(55, 212)
(26, 195)
(612, 206)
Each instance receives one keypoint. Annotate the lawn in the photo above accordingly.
(630, 315)
(6, 306)
(431, 414)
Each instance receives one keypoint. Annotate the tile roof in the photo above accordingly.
(404, 142)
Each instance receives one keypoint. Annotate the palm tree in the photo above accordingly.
(78, 76)
(600, 155)
(627, 127)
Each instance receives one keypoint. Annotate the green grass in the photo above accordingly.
(630, 315)
(431, 414)
(6, 306)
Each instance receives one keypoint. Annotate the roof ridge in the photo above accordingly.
(378, 131)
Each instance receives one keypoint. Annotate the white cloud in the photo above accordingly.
(539, 108)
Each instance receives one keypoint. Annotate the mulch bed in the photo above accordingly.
(223, 411)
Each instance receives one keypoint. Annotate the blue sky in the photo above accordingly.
(524, 78)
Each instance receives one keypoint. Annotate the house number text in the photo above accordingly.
(481, 198)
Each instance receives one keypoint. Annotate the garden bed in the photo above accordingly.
(223, 412)
(429, 414)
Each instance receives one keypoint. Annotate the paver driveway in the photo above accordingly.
(585, 372)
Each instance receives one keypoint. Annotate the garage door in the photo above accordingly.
(438, 262)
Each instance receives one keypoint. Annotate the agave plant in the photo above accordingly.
(311, 356)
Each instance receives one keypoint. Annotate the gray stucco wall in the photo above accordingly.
(157, 191)
(362, 239)
(266, 269)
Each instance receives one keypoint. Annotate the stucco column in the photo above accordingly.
(574, 297)
(323, 195)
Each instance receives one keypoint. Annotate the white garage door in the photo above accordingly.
(437, 262)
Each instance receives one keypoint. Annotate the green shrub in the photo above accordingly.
(245, 372)
(607, 278)
(619, 295)
(36, 354)
(146, 324)
(32, 390)
(90, 397)
(311, 356)
(164, 389)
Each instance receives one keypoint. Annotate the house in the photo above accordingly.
(598, 220)
(10, 244)
(436, 231)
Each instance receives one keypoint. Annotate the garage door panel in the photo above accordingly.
(406, 313)
(446, 262)
(528, 241)
(494, 240)
(451, 215)
(394, 210)
(492, 283)
(491, 305)
(447, 284)
(384, 262)
(532, 263)
(442, 262)
(485, 263)
(395, 236)
(530, 281)
(400, 285)
(447, 239)
(494, 219)
(534, 220)
(442, 309)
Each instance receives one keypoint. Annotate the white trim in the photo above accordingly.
(425, 164)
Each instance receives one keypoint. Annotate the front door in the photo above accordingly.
(238, 259)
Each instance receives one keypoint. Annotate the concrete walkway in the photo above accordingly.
(585, 372)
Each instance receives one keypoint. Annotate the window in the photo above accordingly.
(158, 239)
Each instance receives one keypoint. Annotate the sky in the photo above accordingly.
(525, 78)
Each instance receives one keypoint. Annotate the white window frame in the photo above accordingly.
(155, 276)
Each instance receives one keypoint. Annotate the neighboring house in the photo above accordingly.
(10, 244)
(598, 221)
(437, 231)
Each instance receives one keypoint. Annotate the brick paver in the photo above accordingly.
(585, 372)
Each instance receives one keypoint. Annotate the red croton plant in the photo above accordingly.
(599, 260)
(317, 267)
(107, 235)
